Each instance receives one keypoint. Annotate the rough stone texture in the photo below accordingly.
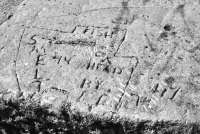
(125, 59)
(7, 8)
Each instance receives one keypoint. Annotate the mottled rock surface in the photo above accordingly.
(7, 9)
(135, 59)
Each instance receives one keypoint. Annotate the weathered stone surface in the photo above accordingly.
(135, 59)
(7, 9)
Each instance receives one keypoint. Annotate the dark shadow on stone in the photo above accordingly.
(125, 10)
(25, 116)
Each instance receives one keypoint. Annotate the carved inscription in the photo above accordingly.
(89, 83)
(57, 58)
(86, 83)
(100, 54)
(97, 32)
(126, 57)
(40, 60)
(32, 42)
(104, 66)
(74, 52)
(79, 42)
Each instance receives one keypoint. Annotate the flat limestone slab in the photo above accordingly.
(128, 59)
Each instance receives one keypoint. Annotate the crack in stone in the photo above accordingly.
(125, 10)
(93, 10)
(17, 80)
(120, 43)
(42, 28)
(19, 45)
(127, 83)
(130, 57)
(2, 48)
(61, 16)
(15, 61)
